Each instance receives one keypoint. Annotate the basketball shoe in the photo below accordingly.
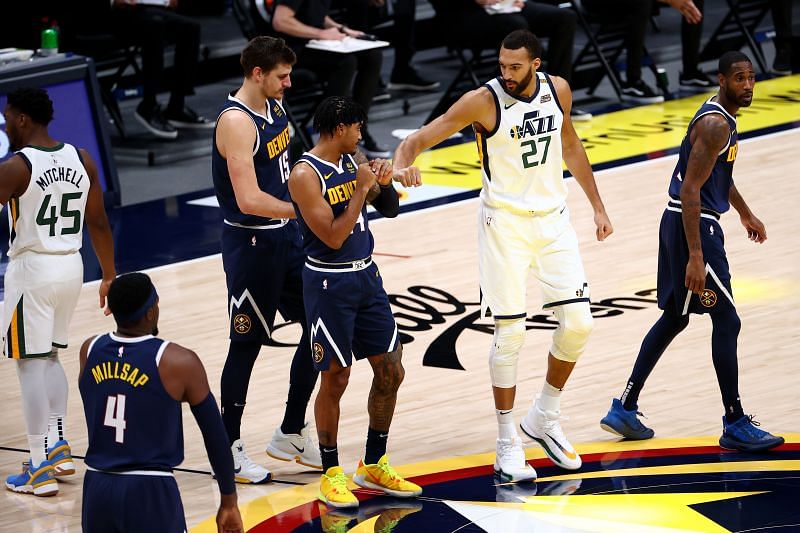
(333, 489)
(543, 427)
(60, 456)
(743, 435)
(381, 476)
(245, 470)
(39, 481)
(624, 423)
(295, 447)
(510, 463)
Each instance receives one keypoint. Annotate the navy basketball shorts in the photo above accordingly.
(673, 255)
(348, 314)
(263, 271)
(127, 502)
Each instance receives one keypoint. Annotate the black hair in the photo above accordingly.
(728, 59)
(33, 102)
(523, 39)
(267, 53)
(336, 110)
(128, 293)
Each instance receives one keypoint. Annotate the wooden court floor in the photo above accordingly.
(444, 412)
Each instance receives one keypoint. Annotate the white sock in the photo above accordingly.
(550, 399)
(55, 429)
(38, 453)
(506, 429)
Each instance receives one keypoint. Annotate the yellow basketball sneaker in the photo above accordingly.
(381, 476)
(333, 489)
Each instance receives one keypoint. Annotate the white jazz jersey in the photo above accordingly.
(48, 217)
(521, 158)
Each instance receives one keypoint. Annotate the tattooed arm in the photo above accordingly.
(709, 135)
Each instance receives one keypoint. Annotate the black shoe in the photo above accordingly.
(373, 150)
(187, 118)
(783, 62)
(381, 94)
(411, 81)
(155, 123)
(640, 93)
(697, 79)
(579, 115)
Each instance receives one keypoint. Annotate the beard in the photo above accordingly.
(523, 84)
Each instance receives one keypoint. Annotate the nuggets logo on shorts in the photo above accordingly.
(318, 352)
(241, 323)
(708, 298)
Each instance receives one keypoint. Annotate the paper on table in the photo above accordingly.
(160, 3)
(345, 46)
(502, 7)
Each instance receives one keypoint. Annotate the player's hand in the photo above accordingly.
(756, 231)
(229, 520)
(383, 170)
(604, 228)
(365, 177)
(104, 286)
(688, 9)
(696, 274)
(409, 176)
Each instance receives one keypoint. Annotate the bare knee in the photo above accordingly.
(389, 371)
(334, 382)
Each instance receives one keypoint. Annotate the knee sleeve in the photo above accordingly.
(574, 325)
(509, 336)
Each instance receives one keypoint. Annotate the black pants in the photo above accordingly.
(153, 28)
(354, 74)
(635, 14)
(476, 28)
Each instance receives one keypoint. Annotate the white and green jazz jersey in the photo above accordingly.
(521, 157)
(48, 217)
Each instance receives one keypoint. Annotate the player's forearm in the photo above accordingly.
(406, 152)
(738, 202)
(103, 244)
(265, 205)
(690, 214)
(342, 226)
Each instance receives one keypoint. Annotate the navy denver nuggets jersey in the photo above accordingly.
(134, 424)
(270, 159)
(714, 192)
(338, 184)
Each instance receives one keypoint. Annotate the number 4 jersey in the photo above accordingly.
(48, 217)
(133, 423)
(521, 157)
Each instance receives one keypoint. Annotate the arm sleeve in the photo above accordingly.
(387, 203)
(216, 440)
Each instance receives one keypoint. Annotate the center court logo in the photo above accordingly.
(241, 323)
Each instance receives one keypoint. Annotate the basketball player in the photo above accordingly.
(347, 308)
(132, 385)
(693, 274)
(52, 188)
(523, 129)
(261, 249)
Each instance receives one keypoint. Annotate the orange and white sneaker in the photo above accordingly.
(381, 476)
(333, 489)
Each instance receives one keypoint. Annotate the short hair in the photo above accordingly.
(336, 110)
(34, 102)
(523, 39)
(128, 293)
(266, 53)
(728, 59)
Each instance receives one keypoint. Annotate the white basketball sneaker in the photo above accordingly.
(246, 471)
(510, 463)
(295, 447)
(543, 427)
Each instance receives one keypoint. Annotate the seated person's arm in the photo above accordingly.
(285, 21)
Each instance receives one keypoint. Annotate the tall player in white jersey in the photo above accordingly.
(52, 188)
(523, 130)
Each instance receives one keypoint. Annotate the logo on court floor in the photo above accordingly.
(708, 298)
(318, 352)
(241, 323)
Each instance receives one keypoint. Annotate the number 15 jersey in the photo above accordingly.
(48, 217)
(521, 158)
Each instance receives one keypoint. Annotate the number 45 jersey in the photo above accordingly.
(521, 158)
(48, 217)
(133, 423)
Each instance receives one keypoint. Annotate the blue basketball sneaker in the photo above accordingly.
(60, 456)
(40, 481)
(624, 423)
(743, 435)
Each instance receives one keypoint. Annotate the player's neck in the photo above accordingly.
(133, 332)
(252, 97)
(730, 107)
(531, 88)
(41, 138)
(327, 150)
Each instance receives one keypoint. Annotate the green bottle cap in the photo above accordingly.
(49, 39)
